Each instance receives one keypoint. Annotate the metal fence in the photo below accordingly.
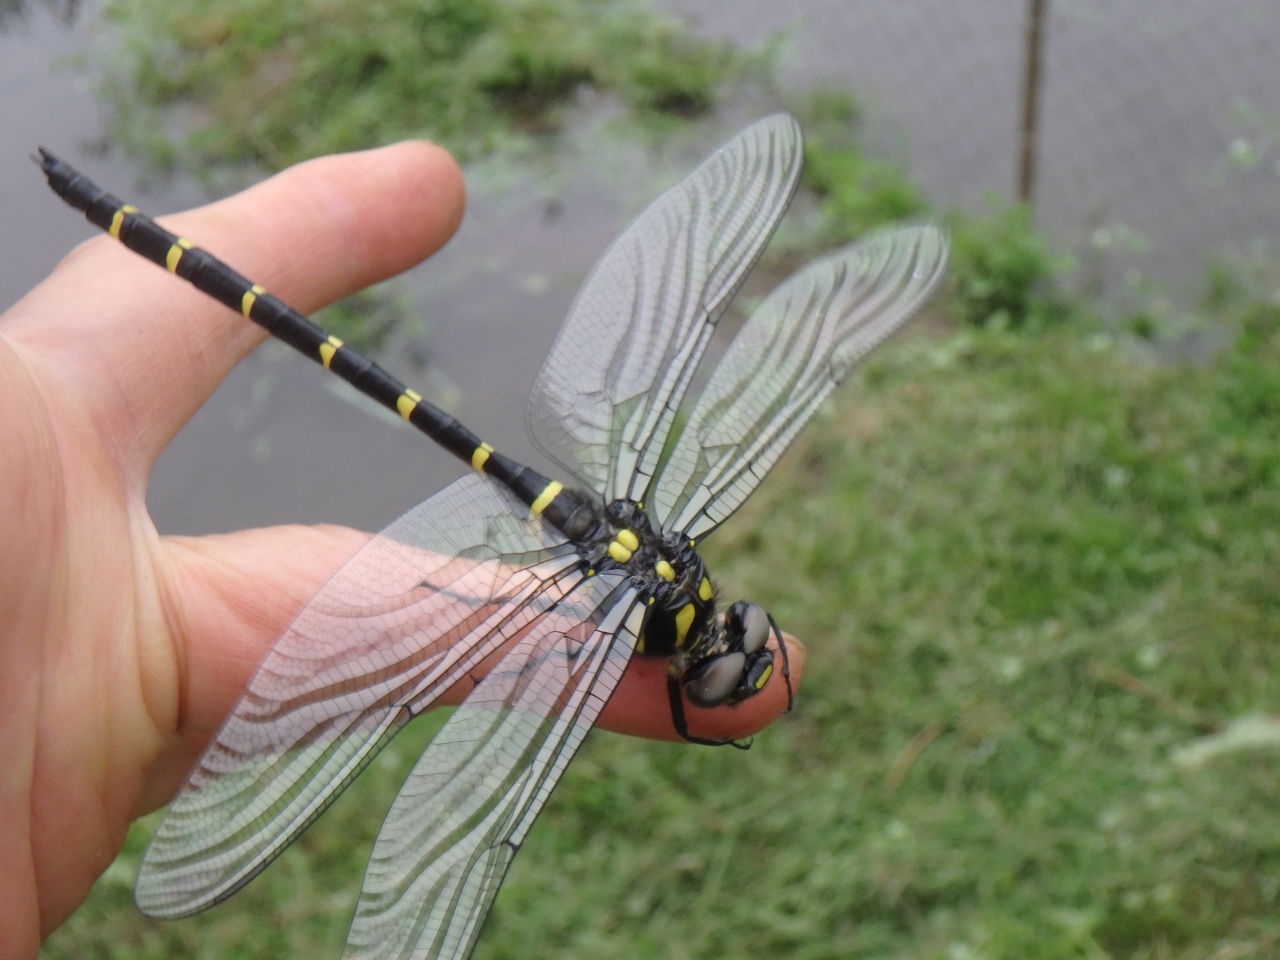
(1156, 139)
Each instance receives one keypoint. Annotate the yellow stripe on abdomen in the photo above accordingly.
(174, 256)
(327, 350)
(117, 219)
(549, 493)
(250, 298)
(480, 456)
(406, 402)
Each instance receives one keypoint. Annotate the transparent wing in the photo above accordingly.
(603, 404)
(464, 811)
(416, 609)
(805, 338)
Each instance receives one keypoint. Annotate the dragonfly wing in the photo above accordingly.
(412, 612)
(604, 402)
(803, 340)
(464, 811)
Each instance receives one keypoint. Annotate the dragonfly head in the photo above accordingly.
(742, 663)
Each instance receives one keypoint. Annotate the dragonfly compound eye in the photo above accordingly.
(751, 623)
(716, 679)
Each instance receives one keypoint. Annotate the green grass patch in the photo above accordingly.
(854, 192)
(1003, 271)
(212, 84)
(1037, 578)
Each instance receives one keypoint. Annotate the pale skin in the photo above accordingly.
(122, 649)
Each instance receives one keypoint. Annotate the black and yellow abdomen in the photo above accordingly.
(546, 498)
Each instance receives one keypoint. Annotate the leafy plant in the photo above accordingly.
(1003, 271)
(269, 83)
(854, 191)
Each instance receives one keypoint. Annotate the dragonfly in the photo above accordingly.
(538, 591)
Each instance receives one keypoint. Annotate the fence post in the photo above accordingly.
(1027, 134)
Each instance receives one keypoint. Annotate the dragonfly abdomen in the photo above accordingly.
(566, 510)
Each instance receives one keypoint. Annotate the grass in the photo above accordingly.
(1037, 575)
(268, 84)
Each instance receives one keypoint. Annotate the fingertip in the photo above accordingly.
(641, 705)
(407, 204)
(365, 216)
(436, 180)
(744, 720)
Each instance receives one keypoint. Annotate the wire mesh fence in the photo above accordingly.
(1156, 139)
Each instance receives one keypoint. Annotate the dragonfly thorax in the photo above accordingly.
(715, 658)
(664, 566)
